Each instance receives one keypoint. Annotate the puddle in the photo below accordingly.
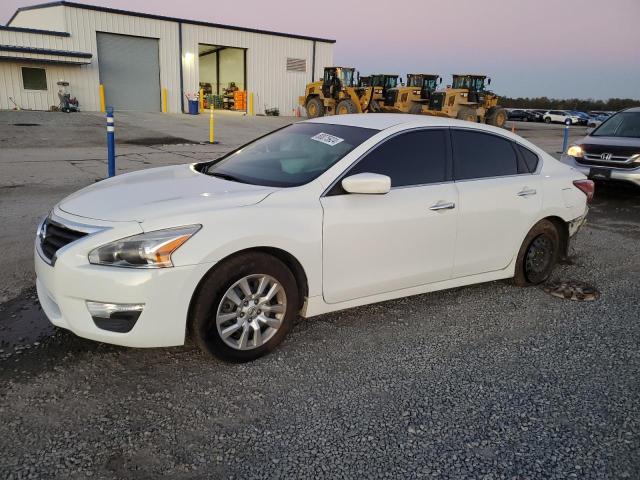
(157, 141)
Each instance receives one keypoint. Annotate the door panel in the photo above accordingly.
(498, 201)
(494, 217)
(379, 243)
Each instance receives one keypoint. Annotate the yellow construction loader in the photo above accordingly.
(413, 97)
(467, 99)
(336, 93)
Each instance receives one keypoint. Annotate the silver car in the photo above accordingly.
(611, 152)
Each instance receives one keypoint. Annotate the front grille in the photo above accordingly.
(614, 161)
(54, 236)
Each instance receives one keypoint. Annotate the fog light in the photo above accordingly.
(115, 317)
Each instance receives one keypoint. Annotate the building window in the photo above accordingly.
(296, 65)
(34, 78)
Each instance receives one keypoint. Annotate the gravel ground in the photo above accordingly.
(488, 381)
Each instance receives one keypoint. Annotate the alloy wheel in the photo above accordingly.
(251, 311)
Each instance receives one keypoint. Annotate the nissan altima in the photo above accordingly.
(321, 215)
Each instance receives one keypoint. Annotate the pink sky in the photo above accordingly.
(558, 48)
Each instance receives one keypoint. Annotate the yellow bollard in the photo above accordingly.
(201, 98)
(103, 103)
(212, 137)
(251, 104)
(164, 100)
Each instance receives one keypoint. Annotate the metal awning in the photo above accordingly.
(43, 55)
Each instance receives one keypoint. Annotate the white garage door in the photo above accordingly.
(130, 72)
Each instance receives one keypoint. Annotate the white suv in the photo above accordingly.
(559, 116)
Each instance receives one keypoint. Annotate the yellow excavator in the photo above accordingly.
(413, 97)
(467, 99)
(336, 94)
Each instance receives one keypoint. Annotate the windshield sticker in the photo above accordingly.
(327, 139)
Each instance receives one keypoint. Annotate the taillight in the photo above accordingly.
(587, 187)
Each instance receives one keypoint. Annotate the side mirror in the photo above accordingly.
(488, 81)
(367, 183)
(440, 80)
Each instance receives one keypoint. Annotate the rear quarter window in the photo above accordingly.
(530, 159)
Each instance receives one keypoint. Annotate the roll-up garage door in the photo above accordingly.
(130, 72)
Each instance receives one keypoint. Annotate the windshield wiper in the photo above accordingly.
(226, 176)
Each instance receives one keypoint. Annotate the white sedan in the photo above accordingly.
(319, 216)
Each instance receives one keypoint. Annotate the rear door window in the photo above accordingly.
(482, 155)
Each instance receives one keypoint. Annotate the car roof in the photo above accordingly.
(382, 121)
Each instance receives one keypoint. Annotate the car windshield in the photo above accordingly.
(623, 124)
(289, 157)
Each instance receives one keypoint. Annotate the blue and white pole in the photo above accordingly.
(111, 143)
(565, 139)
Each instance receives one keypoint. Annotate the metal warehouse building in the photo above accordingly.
(137, 56)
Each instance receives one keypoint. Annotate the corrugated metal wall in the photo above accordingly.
(83, 24)
(267, 76)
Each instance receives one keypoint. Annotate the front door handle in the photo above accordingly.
(442, 206)
(527, 192)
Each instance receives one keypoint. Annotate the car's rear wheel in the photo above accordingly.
(245, 307)
(538, 254)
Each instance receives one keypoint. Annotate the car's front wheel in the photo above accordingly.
(538, 254)
(245, 307)
(547, 120)
(568, 121)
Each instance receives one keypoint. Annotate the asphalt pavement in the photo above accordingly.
(487, 381)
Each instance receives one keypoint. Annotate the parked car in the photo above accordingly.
(538, 115)
(318, 216)
(521, 115)
(583, 118)
(611, 151)
(595, 120)
(560, 116)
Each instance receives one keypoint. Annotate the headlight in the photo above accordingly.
(147, 250)
(575, 151)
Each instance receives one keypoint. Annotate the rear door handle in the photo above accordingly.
(526, 192)
(442, 206)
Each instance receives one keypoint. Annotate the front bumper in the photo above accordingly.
(631, 175)
(64, 289)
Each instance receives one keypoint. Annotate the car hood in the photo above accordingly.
(160, 192)
(617, 145)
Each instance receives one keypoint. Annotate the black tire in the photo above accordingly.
(497, 117)
(538, 255)
(468, 114)
(547, 119)
(211, 293)
(315, 107)
(525, 119)
(345, 107)
(416, 109)
(568, 121)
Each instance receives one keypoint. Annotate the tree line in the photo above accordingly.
(580, 104)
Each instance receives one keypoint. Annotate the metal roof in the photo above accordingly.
(164, 18)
